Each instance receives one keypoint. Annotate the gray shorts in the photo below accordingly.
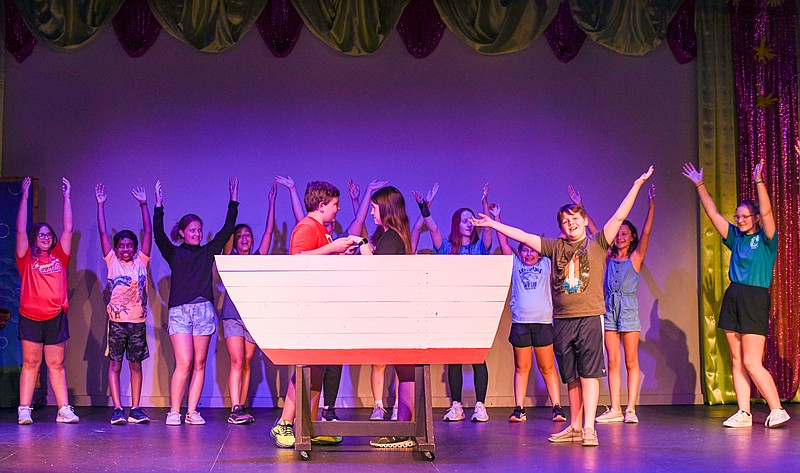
(236, 328)
(195, 318)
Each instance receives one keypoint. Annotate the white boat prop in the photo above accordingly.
(320, 310)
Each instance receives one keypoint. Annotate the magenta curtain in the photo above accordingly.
(563, 35)
(765, 71)
(420, 27)
(19, 40)
(280, 26)
(681, 35)
(136, 27)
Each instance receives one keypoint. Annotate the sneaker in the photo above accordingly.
(173, 418)
(283, 433)
(326, 440)
(137, 416)
(24, 415)
(393, 442)
(776, 418)
(394, 413)
(589, 438)
(558, 414)
(518, 415)
(329, 414)
(480, 414)
(378, 413)
(630, 417)
(610, 415)
(238, 416)
(567, 435)
(194, 418)
(66, 415)
(118, 417)
(455, 413)
(740, 419)
(249, 416)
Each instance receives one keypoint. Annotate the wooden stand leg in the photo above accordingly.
(424, 414)
(302, 423)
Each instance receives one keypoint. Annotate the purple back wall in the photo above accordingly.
(523, 122)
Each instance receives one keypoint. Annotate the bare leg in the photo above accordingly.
(591, 393)
(545, 359)
(614, 382)
(741, 383)
(54, 358)
(522, 369)
(183, 348)
(236, 353)
(574, 391)
(114, 368)
(377, 378)
(249, 353)
(31, 361)
(136, 383)
(630, 342)
(199, 369)
(753, 352)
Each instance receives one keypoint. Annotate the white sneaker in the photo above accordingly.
(66, 415)
(194, 418)
(776, 418)
(740, 419)
(480, 414)
(173, 418)
(378, 413)
(610, 415)
(455, 413)
(631, 417)
(24, 415)
(394, 412)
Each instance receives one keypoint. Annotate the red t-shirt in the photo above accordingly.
(308, 235)
(43, 293)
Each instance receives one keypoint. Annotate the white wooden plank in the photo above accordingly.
(377, 294)
(366, 340)
(368, 309)
(366, 278)
(374, 325)
(456, 263)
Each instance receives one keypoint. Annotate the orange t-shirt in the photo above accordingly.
(43, 293)
(308, 235)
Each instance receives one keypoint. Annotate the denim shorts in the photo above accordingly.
(236, 328)
(195, 318)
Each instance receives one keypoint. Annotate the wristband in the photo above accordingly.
(363, 241)
(761, 181)
(424, 209)
(701, 184)
(142, 204)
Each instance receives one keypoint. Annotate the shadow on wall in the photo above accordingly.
(666, 343)
(96, 318)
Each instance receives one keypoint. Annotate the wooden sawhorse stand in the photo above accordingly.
(421, 427)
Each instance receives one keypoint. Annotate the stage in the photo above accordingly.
(668, 439)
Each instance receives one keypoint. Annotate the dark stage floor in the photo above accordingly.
(668, 439)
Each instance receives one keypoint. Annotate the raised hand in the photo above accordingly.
(100, 193)
(485, 197)
(689, 172)
(645, 176)
(233, 188)
(494, 210)
(375, 184)
(273, 192)
(355, 190)
(26, 188)
(651, 195)
(139, 194)
(159, 195)
(482, 220)
(285, 181)
(432, 193)
(574, 195)
(417, 197)
(66, 187)
(758, 171)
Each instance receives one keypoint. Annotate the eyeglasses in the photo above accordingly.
(741, 217)
(44, 236)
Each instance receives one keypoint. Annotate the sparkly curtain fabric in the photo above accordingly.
(280, 26)
(765, 70)
(354, 27)
(563, 35)
(631, 27)
(420, 27)
(207, 25)
(681, 37)
(492, 27)
(18, 38)
(136, 27)
(67, 24)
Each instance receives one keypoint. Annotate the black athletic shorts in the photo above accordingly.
(745, 309)
(128, 339)
(578, 344)
(531, 335)
(46, 332)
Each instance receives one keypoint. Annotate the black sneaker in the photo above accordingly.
(238, 416)
(137, 416)
(250, 418)
(558, 414)
(518, 415)
(329, 414)
(118, 418)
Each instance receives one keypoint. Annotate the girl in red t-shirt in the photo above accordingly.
(42, 262)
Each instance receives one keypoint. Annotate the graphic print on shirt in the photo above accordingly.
(754, 242)
(125, 294)
(574, 275)
(530, 276)
(52, 266)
